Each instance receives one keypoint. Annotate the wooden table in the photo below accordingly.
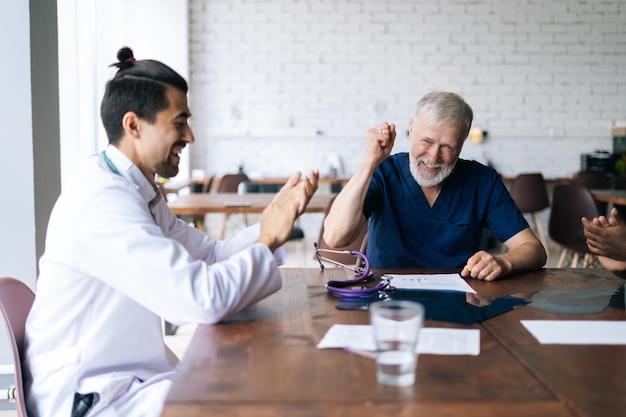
(610, 196)
(282, 180)
(264, 361)
(198, 205)
(230, 203)
(174, 186)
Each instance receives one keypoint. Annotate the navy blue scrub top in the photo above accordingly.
(404, 231)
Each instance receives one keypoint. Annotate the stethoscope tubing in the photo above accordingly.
(343, 288)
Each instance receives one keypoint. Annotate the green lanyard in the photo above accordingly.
(109, 163)
(116, 172)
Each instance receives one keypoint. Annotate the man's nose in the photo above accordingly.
(188, 136)
(434, 153)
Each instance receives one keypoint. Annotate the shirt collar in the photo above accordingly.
(130, 171)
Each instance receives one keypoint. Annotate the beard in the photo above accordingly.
(427, 179)
(169, 168)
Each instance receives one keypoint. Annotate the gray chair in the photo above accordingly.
(16, 300)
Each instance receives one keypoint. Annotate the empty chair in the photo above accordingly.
(16, 300)
(570, 203)
(594, 180)
(531, 196)
(229, 184)
(200, 187)
(358, 244)
(203, 185)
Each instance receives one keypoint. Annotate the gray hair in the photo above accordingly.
(445, 109)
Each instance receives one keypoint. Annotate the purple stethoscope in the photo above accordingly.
(343, 288)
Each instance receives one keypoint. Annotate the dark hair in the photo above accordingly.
(138, 86)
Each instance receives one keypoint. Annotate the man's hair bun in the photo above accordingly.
(125, 54)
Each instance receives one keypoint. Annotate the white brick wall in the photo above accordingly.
(278, 84)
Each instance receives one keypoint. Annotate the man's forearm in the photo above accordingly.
(345, 217)
(527, 256)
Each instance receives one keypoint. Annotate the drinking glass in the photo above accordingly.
(396, 325)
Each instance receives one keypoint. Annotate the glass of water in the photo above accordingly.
(396, 325)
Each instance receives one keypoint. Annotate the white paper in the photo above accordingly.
(577, 332)
(440, 341)
(432, 282)
(437, 341)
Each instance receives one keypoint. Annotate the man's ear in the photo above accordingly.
(131, 124)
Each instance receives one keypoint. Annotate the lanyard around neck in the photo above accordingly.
(109, 163)
(116, 172)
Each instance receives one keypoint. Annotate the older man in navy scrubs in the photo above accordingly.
(427, 207)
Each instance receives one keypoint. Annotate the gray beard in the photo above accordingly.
(425, 179)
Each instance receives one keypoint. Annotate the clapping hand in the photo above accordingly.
(289, 203)
(606, 237)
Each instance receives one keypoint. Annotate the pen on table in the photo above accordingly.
(364, 353)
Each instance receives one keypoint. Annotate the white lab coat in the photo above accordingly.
(110, 272)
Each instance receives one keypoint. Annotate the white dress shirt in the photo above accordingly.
(116, 262)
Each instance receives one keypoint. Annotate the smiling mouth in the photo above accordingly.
(429, 167)
(177, 150)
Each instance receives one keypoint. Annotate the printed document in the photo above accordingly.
(430, 282)
(437, 341)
